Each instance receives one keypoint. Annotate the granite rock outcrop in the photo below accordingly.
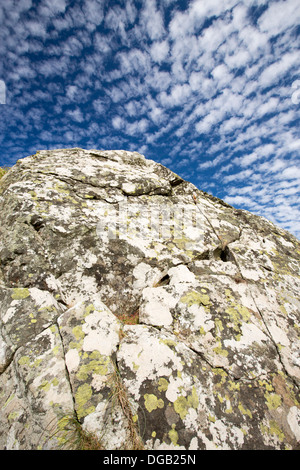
(153, 314)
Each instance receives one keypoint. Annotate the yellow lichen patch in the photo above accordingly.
(24, 360)
(82, 396)
(152, 402)
(45, 386)
(273, 400)
(244, 411)
(222, 373)
(173, 435)
(88, 310)
(20, 293)
(97, 364)
(221, 352)
(183, 404)
(233, 385)
(3, 171)
(163, 385)
(168, 342)
(195, 297)
(229, 409)
(237, 313)
(78, 333)
(33, 320)
(219, 325)
(267, 385)
(273, 430)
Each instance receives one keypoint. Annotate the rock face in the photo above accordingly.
(154, 315)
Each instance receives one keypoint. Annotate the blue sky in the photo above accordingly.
(210, 89)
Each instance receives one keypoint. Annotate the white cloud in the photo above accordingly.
(238, 176)
(222, 75)
(255, 41)
(185, 23)
(2, 92)
(275, 71)
(157, 115)
(239, 59)
(152, 20)
(272, 166)
(268, 107)
(205, 125)
(280, 16)
(117, 122)
(93, 13)
(177, 96)
(134, 61)
(52, 6)
(239, 200)
(294, 145)
(230, 125)
(158, 80)
(159, 51)
(137, 127)
(35, 28)
(76, 115)
(116, 94)
(292, 172)
(118, 20)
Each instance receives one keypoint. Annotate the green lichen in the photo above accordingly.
(244, 411)
(219, 325)
(82, 396)
(163, 384)
(173, 435)
(13, 415)
(168, 342)
(33, 320)
(88, 310)
(96, 364)
(263, 383)
(78, 333)
(273, 400)
(10, 398)
(221, 352)
(195, 297)
(236, 312)
(45, 386)
(20, 293)
(183, 404)
(222, 373)
(273, 430)
(152, 402)
(24, 360)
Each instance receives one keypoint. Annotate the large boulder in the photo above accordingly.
(141, 311)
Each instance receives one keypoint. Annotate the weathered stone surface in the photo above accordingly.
(153, 314)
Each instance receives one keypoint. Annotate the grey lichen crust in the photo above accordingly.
(212, 361)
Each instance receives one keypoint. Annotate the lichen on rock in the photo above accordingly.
(153, 314)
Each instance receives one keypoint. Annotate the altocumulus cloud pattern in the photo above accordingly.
(208, 88)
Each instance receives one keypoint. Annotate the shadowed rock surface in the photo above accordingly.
(154, 314)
